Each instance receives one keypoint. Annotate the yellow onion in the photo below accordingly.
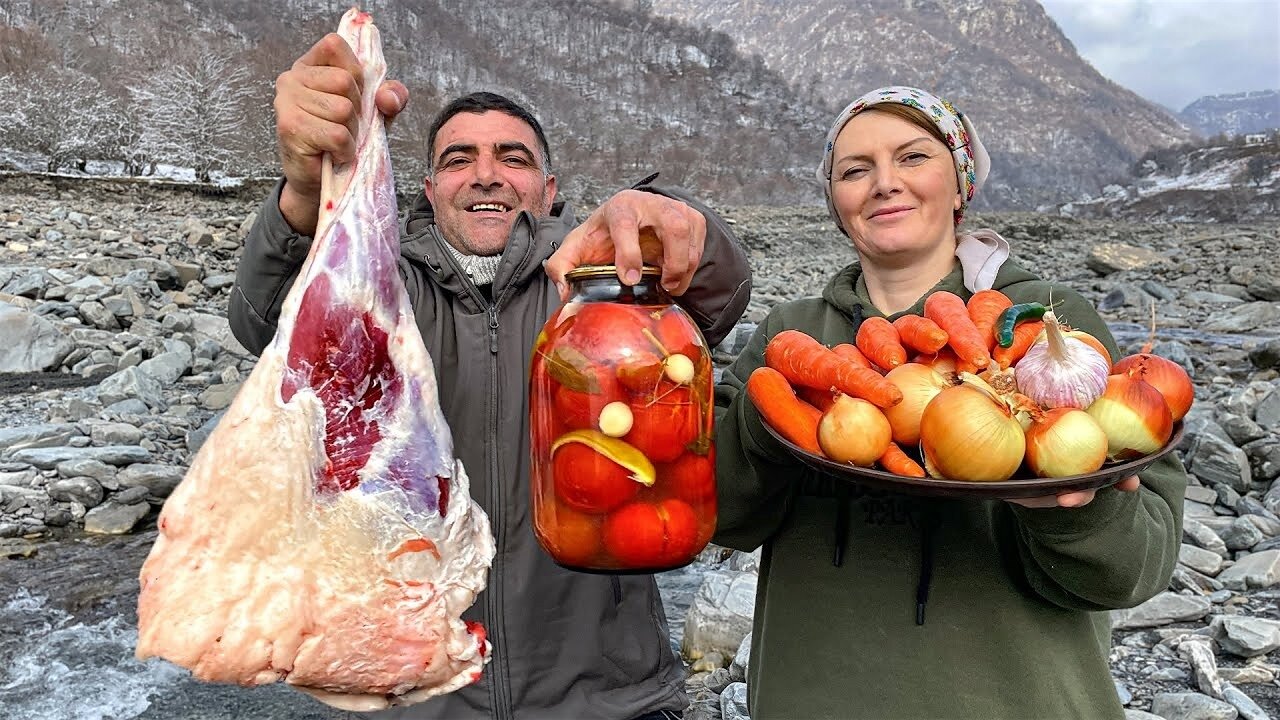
(1134, 416)
(1065, 441)
(919, 384)
(853, 431)
(1165, 375)
(968, 433)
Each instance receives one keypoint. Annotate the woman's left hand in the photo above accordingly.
(1080, 498)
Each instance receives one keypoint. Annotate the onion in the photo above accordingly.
(919, 384)
(967, 433)
(1165, 375)
(853, 431)
(1065, 441)
(1134, 416)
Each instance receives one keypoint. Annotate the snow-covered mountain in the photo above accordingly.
(1234, 179)
(1235, 114)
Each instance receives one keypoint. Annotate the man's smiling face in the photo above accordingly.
(486, 168)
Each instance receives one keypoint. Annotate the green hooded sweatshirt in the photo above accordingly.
(877, 605)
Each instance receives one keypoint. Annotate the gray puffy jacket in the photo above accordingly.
(565, 644)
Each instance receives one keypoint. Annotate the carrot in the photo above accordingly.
(899, 463)
(879, 342)
(1023, 336)
(805, 361)
(948, 311)
(821, 399)
(984, 310)
(921, 334)
(850, 352)
(793, 418)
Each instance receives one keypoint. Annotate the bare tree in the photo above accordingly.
(196, 112)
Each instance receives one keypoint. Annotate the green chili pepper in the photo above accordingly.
(1013, 315)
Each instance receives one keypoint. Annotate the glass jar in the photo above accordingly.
(620, 402)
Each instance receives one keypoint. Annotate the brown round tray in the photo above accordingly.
(1015, 487)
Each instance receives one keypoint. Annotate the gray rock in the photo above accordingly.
(1244, 318)
(1246, 636)
(1199, 559)
(1140, 715)
(720, 615)
(132, 383)
(160, 480)
(97, 315)
(733, 702)
(1106, 258)
(1242, 535)
(1215, 461)
(1266, 355)
(196, 438)
(1165, 608)
(1267, 413)
(32, 343)
(1241, 429)
(1258, 570)
(35, 436)
(88, 467)
(741, 660)
(48, 458)
(84, 490)
(114, 519)
(1248, 709)
(115, 433)
(1191, 706)
(132, 495)
(1265, 287)
(219, 397)
(1203, 536)
(171, 365)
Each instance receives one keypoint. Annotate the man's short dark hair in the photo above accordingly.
(481, 102)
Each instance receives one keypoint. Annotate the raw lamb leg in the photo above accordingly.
(324, 534)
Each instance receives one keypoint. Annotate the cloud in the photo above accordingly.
(1175, 51)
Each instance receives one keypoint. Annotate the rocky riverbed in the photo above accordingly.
(116, 359)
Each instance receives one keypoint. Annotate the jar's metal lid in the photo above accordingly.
(584, 272)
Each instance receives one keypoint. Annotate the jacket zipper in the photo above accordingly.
(498, 697)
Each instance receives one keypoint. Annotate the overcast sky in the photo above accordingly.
(1175, 51)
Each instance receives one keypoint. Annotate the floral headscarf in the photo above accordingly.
(971, 159)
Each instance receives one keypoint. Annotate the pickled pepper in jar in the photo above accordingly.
(620, 402)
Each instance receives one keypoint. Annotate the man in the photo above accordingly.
(473, 247)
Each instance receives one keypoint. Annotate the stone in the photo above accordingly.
(1258, 570)
(1267, 413)
(84, 490)
(733, 702)
(48, 458)
(1106, 258)
(1165, 608)
(132, 495)
(1216, 461)
(1266, 355)
(1203, 536)
(160, 480)
(741, 660)
(1242, 534)
(114, 519)
(115, 433)
(35, 436)
(1200, 560)
(219, 397)
(1243, 318)
(88, 467)
(1192, 706)
(1246, 636)
(720, 614)
(132, 383)
(31, 343)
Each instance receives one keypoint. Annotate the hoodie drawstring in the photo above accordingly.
(928, 520)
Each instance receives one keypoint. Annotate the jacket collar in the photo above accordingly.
(532, 241)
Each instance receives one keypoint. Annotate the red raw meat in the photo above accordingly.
(325, 535)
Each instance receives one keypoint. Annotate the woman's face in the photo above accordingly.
(894, 187)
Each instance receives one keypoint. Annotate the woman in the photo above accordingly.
(1016, 594)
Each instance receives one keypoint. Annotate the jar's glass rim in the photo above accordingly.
(584, 272)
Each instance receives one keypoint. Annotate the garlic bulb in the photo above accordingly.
(1060, 371)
